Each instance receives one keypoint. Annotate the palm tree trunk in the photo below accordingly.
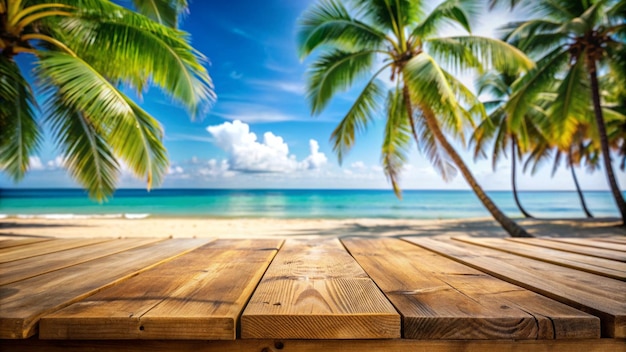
(604, 141)
(580, 193)
(513, 177)
(509, 225)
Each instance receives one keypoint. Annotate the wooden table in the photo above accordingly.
(351, 294)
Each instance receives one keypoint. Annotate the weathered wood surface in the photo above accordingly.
(40, 248)
(600, 296)
(25, 302)
(33, 266)
(442, 299)
(594, 265)
(273, 345)
(591, 243)
(567, 247)
(199, 295)
(22, 242)
(315, 290)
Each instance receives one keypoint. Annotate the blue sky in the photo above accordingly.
(260, 133)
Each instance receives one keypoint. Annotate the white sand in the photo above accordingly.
(11, 228)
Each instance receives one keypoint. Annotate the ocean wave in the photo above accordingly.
(136, 216)
(130, 216)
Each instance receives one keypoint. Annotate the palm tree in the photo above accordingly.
(84, 52)
(575, 39)
(520, 136)
(426, 100)
(165, 12)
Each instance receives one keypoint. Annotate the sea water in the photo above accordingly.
(335, 204)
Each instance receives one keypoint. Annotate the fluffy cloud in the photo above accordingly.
(34, 163)
(271, 155)
(316, 159)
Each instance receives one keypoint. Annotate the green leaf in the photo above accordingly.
(397, 138)
(571, 106)
(86, 153)
(433, 151)
(133, 135)
(454, 11)
(329, 23)
(468, 51)
(19, 132)
(390, 14)
(165, 12)
(356, 120)
(139, 51)
(333, 72)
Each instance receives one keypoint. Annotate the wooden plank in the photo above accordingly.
(600, 296)
(41, 248)
(315, 290)
(24, 302)
(29, 267)
(594, 265)
(22, 242)
(590, 243)
(566, 247)
(400, 345)
(199, 295)
(442, 299)
(615, 239)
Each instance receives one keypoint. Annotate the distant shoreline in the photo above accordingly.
(12, 228)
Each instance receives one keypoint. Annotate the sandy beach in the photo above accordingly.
(13, 228)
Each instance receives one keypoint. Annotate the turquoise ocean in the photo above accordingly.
(331, 204)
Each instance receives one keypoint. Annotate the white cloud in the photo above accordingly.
(315, 160)
(358, 165)
(214, 169)
(57, 163)
(35, 164)
(174, 170)
(271, 155)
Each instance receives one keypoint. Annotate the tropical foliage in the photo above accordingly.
(85, 53)
(574, 42)
(359, 43)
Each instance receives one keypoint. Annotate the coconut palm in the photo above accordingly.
(497, 128)
(84, 52)
(368, 38)
(574, 39)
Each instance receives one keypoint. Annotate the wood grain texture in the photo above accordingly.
(29, 267)
(594, 265)
(597, 295)
(315, 290)
(24, 302)
(41, 248)
(567, 247)
(22, 242)
(587, 242)
(615, 239)
(199, 295)
(400, 345)
(442, 299)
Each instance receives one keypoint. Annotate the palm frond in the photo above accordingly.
(19, 133)
(392, 15)
(87, 154)
(454, 11)
(133, 135)
(165, 12)
(333, 72)
(397, 138)
(490, 53)
(138, 51)
(429, 146)
(357, 118)
(571, 106)
(328, 22)
(430, 87)
(528, 87)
